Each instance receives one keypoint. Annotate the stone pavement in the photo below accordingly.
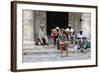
(50, 53)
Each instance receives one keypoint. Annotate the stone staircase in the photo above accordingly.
(50, 53)
(51, 49)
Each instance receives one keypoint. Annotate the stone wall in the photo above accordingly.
(74, 20)
(86, 24)
(81, 21)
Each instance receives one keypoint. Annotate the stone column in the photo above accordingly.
(86, 24)
(43, 19)
(28, 29)
(40, 18)
(37, 24)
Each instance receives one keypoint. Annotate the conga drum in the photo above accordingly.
(63, 45)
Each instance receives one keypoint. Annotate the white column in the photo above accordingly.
(28, 29)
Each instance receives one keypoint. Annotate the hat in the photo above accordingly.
(57, 27)
(69, 24)
(53, 30)
(62, 29)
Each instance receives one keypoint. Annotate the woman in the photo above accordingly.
(62, 42)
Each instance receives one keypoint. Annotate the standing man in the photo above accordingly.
(69, 31)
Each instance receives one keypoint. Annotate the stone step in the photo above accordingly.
(49, 51)
(54, 56)
(32, 46)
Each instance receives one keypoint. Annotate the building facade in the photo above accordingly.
(33, 19)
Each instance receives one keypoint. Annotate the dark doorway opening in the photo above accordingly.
(55, 19)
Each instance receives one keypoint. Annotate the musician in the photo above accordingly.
(60, 36)
(81, 38)
(69, 32)
(62, 42)
(54, 33)
(73, 37)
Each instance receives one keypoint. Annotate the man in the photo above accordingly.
(73, 37)
(54, 35)
(58, 31)
(42, 35)
(69, 32)
(81, 39)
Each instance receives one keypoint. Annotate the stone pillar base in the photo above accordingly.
(28, 45)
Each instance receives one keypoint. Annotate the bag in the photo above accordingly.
(87, 45)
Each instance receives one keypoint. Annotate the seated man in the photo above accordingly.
(81, 39)
(42, 36)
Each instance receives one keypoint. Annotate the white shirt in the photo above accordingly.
(42, 33)
(81, 35)
(69, 30)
